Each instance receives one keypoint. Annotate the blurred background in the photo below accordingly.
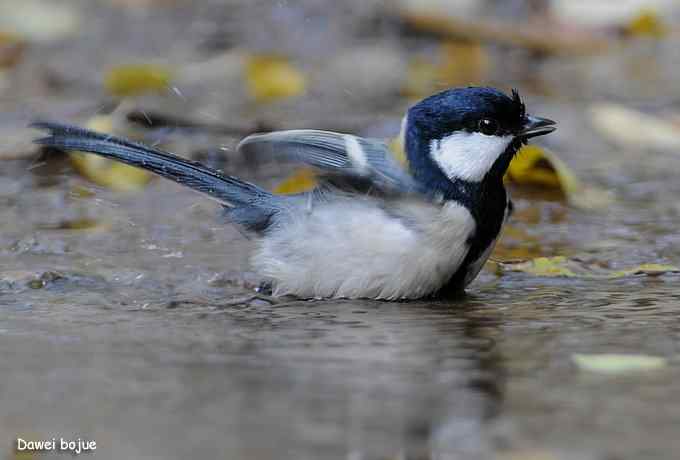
(127, 312)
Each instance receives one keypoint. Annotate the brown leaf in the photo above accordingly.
(544, 38)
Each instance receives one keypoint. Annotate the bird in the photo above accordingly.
(373, 227)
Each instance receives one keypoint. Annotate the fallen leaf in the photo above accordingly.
(80, 224)
(560, 266)
(646, 23)
(456, 64)
(544, 38)
(539, 167)
(23, 455)
(646, 269)
(631, 128)
(605, 13)
(136, 79)
(462, 63)
(26, 454)
(11, 49)
(421, 76)
(542, 266)
(614, 363)
(108, 173)
(534, 165)
(271, 77)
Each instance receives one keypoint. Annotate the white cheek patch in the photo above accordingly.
(467, 155)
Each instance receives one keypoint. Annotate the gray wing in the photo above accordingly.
(342, 156)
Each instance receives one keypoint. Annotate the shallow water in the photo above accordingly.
(130, 318)
(143, 334)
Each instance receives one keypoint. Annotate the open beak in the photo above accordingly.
(536, 126)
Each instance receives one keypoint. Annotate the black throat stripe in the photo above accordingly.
(487, 202)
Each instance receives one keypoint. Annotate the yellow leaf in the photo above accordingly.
(647, 23)
(28, 454)
(531, 166)
(302, 180)
(421, 75)
(78, 224)
(646, 269)
(462, 63)
(108, 173)
(136, 79)
(544, 266)
(23, 455)
(271, 77)
(560, 266)
(612, 363)
(536, 166)
(456, 64)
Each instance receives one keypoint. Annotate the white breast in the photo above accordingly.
(355, 249)
(467, 155)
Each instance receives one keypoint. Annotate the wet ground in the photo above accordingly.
(130, 318)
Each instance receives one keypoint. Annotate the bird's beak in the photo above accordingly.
(536, 126)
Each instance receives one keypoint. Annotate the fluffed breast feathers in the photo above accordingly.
(364, 248)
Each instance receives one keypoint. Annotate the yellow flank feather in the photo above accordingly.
(302, 180)
(396, 146)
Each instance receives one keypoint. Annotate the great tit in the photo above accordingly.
(372, 228)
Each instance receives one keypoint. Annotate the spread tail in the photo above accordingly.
(246, 199)
(229, 190)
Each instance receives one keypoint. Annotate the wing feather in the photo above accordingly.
(356, 158)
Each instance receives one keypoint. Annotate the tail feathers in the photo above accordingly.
(230, 191)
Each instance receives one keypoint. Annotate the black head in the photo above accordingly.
(468, 133)
(466, 109)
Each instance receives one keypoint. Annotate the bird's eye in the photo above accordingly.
(488, 126)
